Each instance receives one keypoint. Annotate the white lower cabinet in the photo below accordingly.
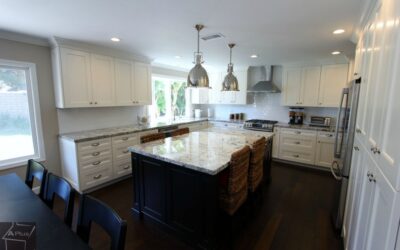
(303, 146)
(89, 164)
(324, 149)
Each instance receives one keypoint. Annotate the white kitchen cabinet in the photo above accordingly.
(371, 221)
(216, 96)
(124, 82)
(297, 145)
(84, 79)
(72, 73)
(333, 80)
(200, 95)
(310, 86)
(142, 84)
(90, 164)
(292, 86)
(275, 144)
(314, 86)
(324, 150)
(103, 80)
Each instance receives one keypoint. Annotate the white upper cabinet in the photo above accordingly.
(310, 86)
(314, 86)
(292, 86)
(103, 80)
(142, 83)
(123, 82)
(84, 79)
(216, 96)
(333, 80)
(75, 75)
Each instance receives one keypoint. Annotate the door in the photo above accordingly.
(142, 83)
(324, 154)
(123, 82)
(310, 86)
(333, 80)
(103, 80)
(75, 66)
(292, 86)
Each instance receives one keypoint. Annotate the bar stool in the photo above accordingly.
(152, 137)
(180, 131)
(256, 164)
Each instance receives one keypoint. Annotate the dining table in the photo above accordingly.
(25, 218)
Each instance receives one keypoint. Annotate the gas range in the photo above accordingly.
(261, 125)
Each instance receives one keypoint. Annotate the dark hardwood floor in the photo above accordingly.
(294, 213)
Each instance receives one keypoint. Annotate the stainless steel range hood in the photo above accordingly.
(259, 79)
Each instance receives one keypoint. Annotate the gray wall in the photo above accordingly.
(40, 55)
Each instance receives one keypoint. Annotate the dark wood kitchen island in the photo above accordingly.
(176, 181)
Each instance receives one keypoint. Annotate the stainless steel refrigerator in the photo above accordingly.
(344, 139)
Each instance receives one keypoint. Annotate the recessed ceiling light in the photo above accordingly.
(115, 39)
(336, 53)
(254, 56)
(338, 31)
(178, 57)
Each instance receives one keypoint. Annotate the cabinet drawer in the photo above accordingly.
(122, 168)
(326, 136)
(297, 156)
(96, 164)
(93, 145)
(93, 155)
(298, 142)
(298, 132)
(96, 177)
(126, 139)
(121, 152)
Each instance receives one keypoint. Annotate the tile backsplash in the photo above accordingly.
(266, 106)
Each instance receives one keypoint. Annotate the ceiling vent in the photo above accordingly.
(212, 36)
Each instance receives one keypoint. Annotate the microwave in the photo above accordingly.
(320, 121)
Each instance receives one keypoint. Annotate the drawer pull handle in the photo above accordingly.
(298, 132)
(296, 156)
(126, 167)
(96, 163)
(97, 176)
(297, 142)
(356, 148)
(125, 138)
(96, 153)
(125, 152)
(330, 135)
(95, 144)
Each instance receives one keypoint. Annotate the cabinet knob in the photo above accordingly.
(358, 130)
(97, 176)
(95, 102)
(95, 144)
(296, 156)
(96, 163)
(356, 148)
(95, 153)
(297, 142)
(90, 102)
(126, 167)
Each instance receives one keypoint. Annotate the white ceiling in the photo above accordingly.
(279, 31)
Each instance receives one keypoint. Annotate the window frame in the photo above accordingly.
(35, 119)
(168, 114)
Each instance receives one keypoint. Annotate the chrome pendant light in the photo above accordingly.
(198, 77)
(230, 82)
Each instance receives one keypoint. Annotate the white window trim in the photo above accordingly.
(168, 114)
(34, 115)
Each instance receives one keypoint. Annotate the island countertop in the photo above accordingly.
(208, 150)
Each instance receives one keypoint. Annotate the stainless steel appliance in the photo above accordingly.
(261, 125)
(344, 139)
(320, 121)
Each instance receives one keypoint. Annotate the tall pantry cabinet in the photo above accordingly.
(373, 208)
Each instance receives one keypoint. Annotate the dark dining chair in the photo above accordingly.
(152, 137)
(35, 170)
(180, 131)
(56, 185)
(94, 210)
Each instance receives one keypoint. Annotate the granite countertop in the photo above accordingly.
(305, 126)
(208, 150)
(115, 131)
